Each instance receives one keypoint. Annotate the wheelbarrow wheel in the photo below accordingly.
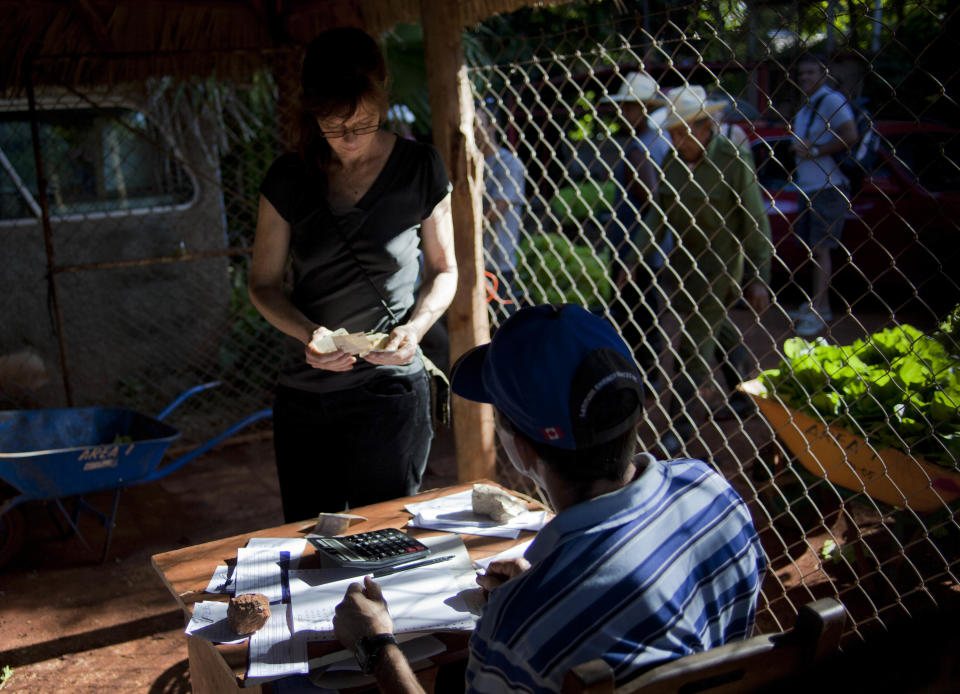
(12, 529)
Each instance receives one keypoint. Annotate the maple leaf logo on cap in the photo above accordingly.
(552, 433)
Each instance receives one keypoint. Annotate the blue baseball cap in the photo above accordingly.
(560, 374)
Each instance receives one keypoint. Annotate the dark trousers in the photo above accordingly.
(635, 314)
(706, 335)
(353, 447)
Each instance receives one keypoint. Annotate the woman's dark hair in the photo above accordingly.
(342, 69)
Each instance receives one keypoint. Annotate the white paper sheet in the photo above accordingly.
(294, 545)
(512, 553)
(274, 651)
(454, 513)
(430, 598)
(222, 580)
(258, 571)
(209, 621)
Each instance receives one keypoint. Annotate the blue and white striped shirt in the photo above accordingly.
(667, 566)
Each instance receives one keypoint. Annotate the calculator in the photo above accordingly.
(371, 549)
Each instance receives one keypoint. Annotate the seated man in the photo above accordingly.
(645, 561)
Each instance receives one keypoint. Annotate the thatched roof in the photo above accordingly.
(112, 41)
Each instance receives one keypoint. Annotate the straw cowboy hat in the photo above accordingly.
(640, 88)
(687, 105)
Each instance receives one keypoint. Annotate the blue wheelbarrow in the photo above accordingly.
(51, 455)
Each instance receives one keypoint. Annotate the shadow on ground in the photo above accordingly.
(70, 623)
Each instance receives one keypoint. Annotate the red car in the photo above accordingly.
(903, 231)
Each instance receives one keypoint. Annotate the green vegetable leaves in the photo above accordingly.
(574, 205)
(552, 269)
(949, 333)
(899, 387)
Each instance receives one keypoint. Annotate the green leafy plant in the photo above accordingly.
(949, 333)
(553, 269)
(6, 674)
(899, 388)
(575, 204)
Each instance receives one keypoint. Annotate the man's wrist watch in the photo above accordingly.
(369, 649)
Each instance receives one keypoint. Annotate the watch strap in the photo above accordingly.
(369, 650)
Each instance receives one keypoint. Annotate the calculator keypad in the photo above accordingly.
(372, 549)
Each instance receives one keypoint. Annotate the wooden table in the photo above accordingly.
(217, 668)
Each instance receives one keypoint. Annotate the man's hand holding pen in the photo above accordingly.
(362, 612)
(501, 571)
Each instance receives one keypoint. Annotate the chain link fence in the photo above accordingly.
(829, 461)
(132, 287)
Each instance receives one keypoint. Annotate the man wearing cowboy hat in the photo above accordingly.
(710, 198)
(637, 176)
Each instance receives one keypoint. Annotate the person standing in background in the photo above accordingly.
(637, 255)
(354, 209)
(824, 127)
(711, 199)
(503, 203)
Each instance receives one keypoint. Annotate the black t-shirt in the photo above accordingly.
(329, 286)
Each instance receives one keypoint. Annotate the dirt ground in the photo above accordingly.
(71, 624)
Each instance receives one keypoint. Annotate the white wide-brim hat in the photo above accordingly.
(639, 88)
(688, 105)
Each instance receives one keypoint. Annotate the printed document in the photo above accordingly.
(222, 580)
(435, 597)
(274, 650)
(209, 621)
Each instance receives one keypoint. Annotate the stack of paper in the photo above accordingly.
(437, 597)
(263, 566)
(224, 575)
(209, 621)
(454, 514)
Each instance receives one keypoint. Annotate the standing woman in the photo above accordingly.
(352, 210)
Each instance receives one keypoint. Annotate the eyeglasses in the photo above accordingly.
(359, 130)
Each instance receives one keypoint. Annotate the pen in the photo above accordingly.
(416, 565)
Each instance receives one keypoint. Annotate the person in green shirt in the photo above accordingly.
(710, 198)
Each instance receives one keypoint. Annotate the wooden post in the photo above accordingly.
(451, 104)
(285, 66)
